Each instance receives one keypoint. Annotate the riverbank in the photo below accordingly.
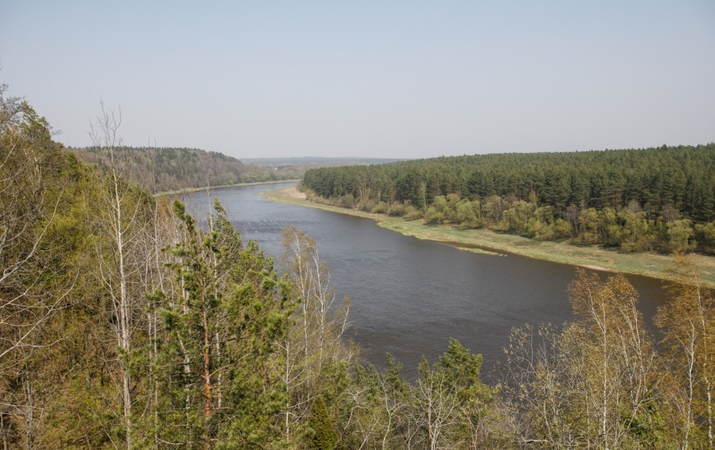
(486, 241)
(189, 190)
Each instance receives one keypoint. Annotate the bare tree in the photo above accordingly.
(535, 382)
(316, 338)
(121, 257)
(435, 406)
(595, 383)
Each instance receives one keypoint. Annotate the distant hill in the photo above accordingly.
(318, 161)
(168, 169)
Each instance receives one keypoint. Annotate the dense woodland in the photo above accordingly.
(164, 169)
(659, 199)
(125, 325)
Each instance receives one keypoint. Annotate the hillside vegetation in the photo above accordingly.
(659, 199)
(125, 325)
(167, 169)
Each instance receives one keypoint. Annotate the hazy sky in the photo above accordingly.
(407, 79)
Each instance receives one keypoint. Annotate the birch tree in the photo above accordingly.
(126, 212)
(537, 385)
(688, 323)
(315, 340)
(620, 371)
(595, 384)
(610, 357)
(449, 401)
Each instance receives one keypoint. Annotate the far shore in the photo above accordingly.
(205, 188)
(492, 243)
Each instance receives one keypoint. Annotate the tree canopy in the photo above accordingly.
(162, 169)
(658, 198)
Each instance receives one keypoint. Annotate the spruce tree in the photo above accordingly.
(324, 437)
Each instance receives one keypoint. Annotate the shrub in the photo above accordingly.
(396, 209)
(412, 213)
(380, 208)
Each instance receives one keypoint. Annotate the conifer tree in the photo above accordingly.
(324, 436)
(223, 321)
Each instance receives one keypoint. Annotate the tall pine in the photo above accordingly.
(223, 319)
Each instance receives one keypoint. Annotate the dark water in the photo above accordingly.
(410, 296)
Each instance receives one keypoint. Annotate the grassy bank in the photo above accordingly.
(486, 241)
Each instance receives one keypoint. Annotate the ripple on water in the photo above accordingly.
(410, 296)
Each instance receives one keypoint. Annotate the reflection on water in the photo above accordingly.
(410, 296)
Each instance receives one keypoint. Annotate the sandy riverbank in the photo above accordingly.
(293, 192)
(198, 189)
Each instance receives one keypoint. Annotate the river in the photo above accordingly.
(410, 296)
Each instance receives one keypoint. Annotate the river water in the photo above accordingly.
(410, 296)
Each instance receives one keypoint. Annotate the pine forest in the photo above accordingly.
(657, 199)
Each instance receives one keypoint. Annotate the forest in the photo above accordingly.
(165, 169)
(123, 324)
(657, 199)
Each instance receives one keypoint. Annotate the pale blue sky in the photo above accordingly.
(407, 79)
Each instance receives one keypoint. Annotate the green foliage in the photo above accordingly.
(162, 169)
(223, 324)
(680, 233)
(705, 237)
(614, 198)
(324, 436)
(45, 244)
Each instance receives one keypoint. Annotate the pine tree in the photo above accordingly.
(223, 321)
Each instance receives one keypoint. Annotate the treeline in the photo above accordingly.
(165, 169)
(637, 200)
(124, 325)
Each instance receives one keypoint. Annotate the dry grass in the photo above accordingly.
(486, 241)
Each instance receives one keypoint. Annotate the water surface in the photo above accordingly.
(410, 296)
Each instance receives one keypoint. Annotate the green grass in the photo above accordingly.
(488, 242)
